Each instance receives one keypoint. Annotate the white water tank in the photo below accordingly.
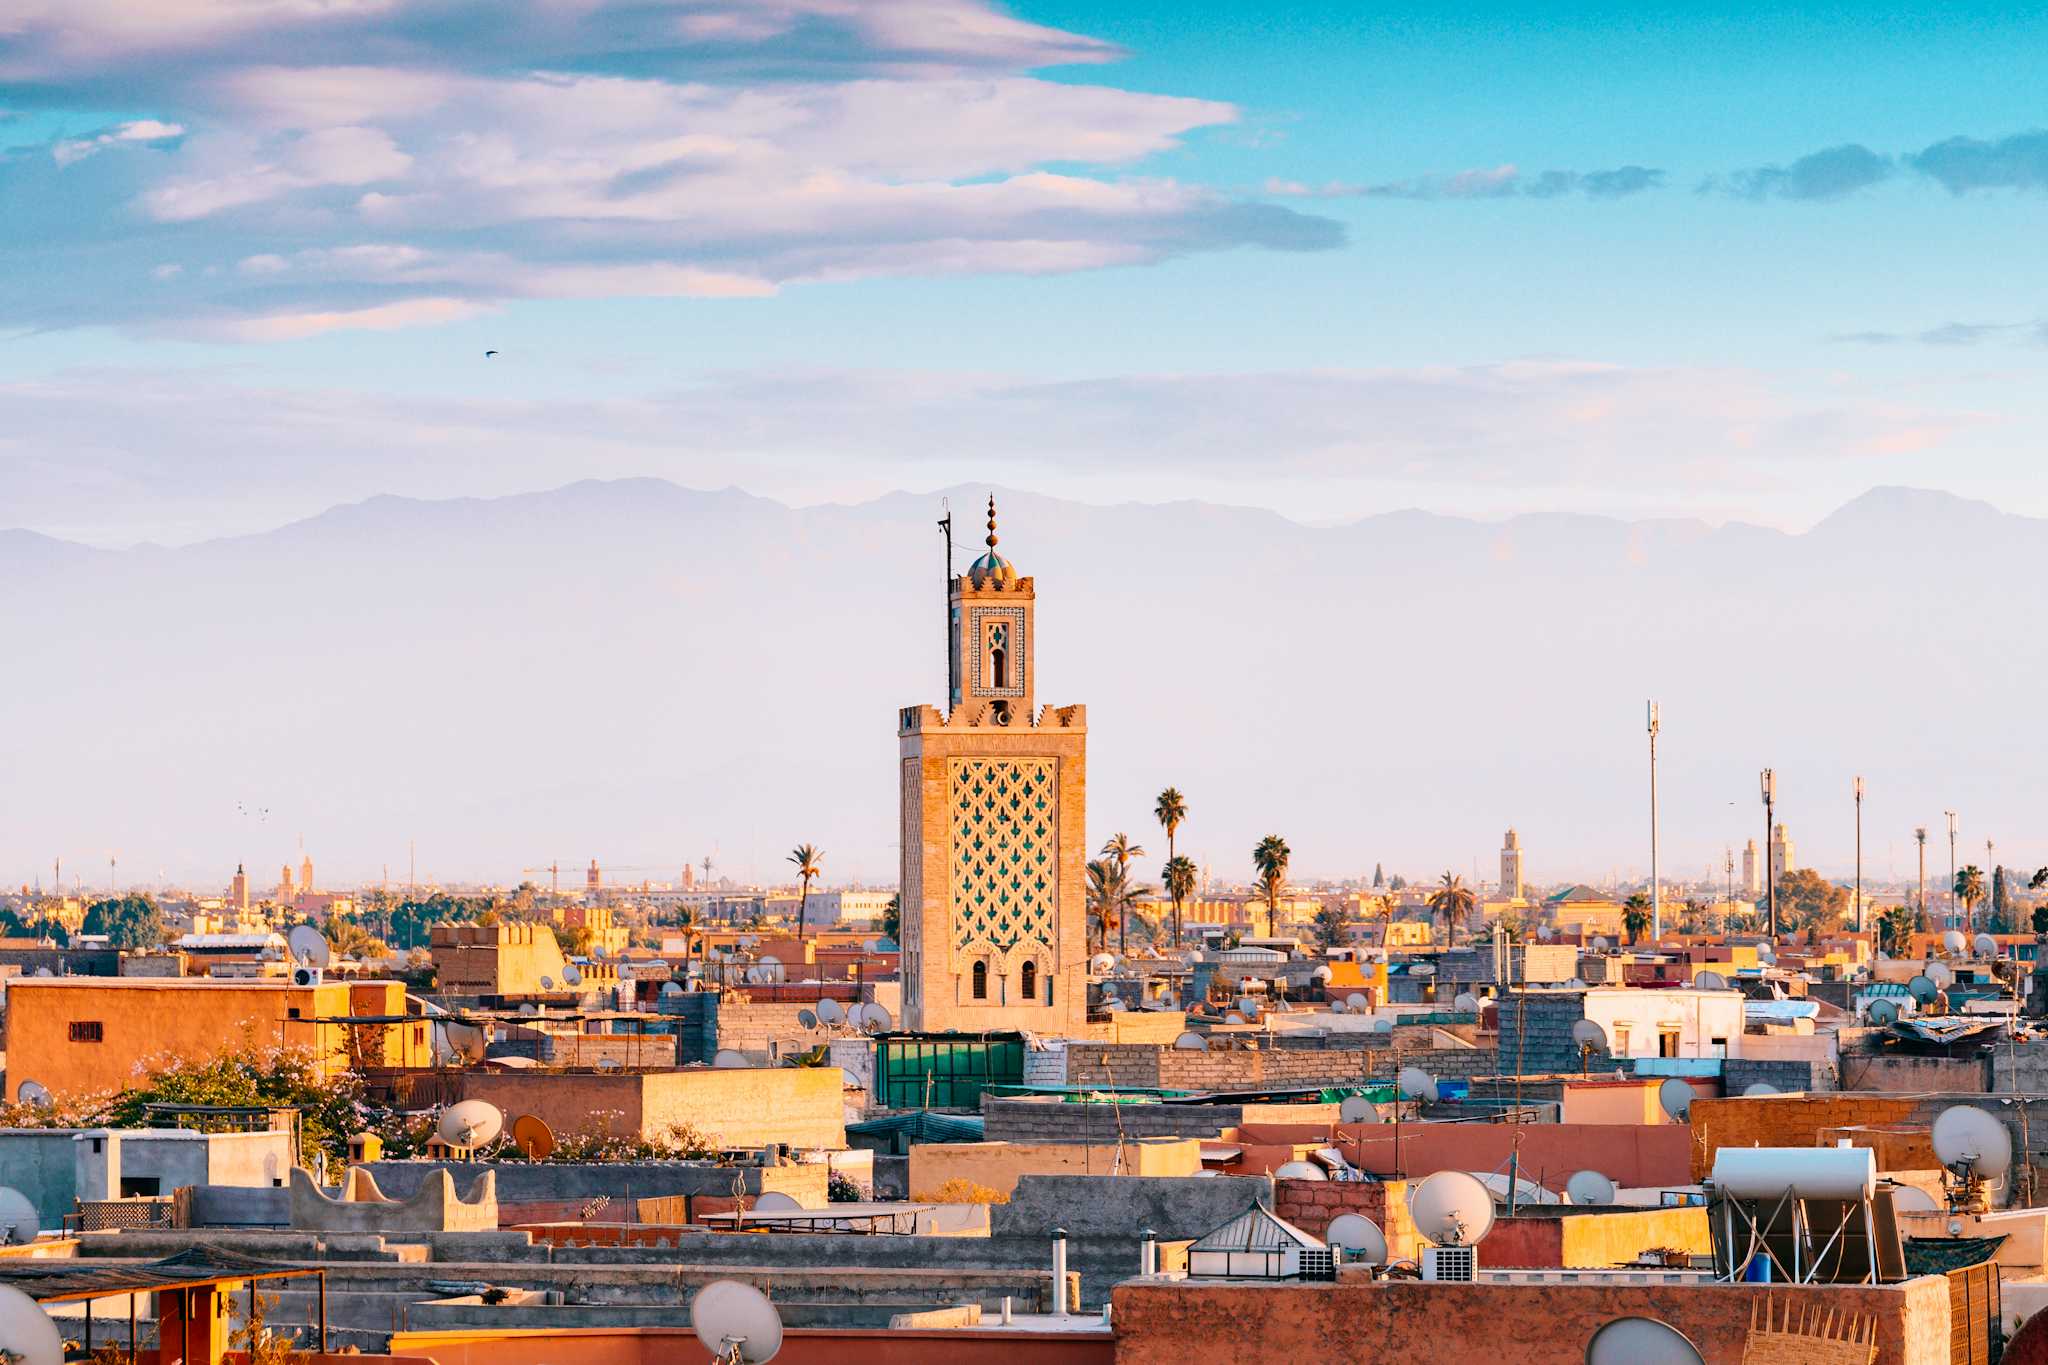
(1808, 1172)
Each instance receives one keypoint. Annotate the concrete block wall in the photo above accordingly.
(1740, 1073)
(1141, 1066)
(1536, 1031)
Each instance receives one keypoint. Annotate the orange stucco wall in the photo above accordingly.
(143, 1019)
(740, 1107)
(800, 1346)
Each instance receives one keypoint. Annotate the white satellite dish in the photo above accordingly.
(571, 976)
(466, 1040)
(1676, 1097)
(1451, 1208)
(806, 1019)
(26, 1332)
(609, 1064)
(1417, 1084)
(1599, 943)
(600, 952)
(1589, 1187)
(876, 1019)
(1465, 1001)
(1336, 1007)
(831, 1012)
(1358, 1234)
(1299, 1170)
(1883, 1011)
(1941, 974)
(19, 1222)
(735, 1320)
(1588, 1033)
(1545, 933)
(730, 1060)
(775, 1201)
(1922, 988)
(547, 983)
(1710, 981)
(1913, 1199)
(1986, 945)
(1382, 1026)
(35, 1093)
(528, 1008)
(1102, 962)
(1115, 1004)
(1756, 1088)
(472, 1123)
(1766, 953)
(669, 988)
(1953, 940)
(1357, 1001)
(1322, 974)
(308, 946)
(1963, 1135)
(1233, 1018)
(1422, 969)
(1191, 1042)
(1358, 1109)
(1641, 1341)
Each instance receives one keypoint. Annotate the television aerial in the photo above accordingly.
(806, 1019)
(1953, 940)
(1973, 1147)
(1451, 1208)
(309, 947)
(1883, 1011)
(1465, 1001)
(1589, 1187)
(26, 1331)
(531, 1135)
(1710, 981)
(1417, 1084)
(470, 1124)
(1676, 1096)
(1756, 1088)
(736, 1323)
(19, 1222)
(1360, 1236)
(1641, 1341)
(1191, 1042)
(1357, 1109)
(830, 1011)
(728, 1059)
(35, 1093)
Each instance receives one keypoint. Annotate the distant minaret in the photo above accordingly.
(1752, 871)
(238, 889)
(593, 880)
(1511, 866)
(1784, 857)
(306, 873)
(284, 885)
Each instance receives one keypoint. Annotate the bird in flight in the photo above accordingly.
(489, 354)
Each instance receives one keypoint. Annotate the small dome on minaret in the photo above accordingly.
(991, 567)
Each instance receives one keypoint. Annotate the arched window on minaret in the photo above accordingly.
(998, 655)
(1028, 981)
(981, 981)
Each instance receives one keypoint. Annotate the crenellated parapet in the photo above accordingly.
(986, 715)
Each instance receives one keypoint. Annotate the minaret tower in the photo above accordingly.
(994, 916)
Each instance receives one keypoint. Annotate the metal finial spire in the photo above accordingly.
(991, 521)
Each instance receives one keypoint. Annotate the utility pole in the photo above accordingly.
(1951, 868)
(1920, 838)
(1768, 780)
(1990, 875)
(1728, 866)
(1656, 886)
(1859, 854)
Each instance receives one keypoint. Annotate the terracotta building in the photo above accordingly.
(994, 793)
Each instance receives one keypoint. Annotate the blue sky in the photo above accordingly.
(1327, 258)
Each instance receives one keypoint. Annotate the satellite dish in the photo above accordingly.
(1358, 1109)
(1766, 953)
(1417, 1084)
(599, 951)
(1336, 1007)
(547, 983)
(735, 1320)
(531, 1135)
(807, 1019)
(831, 1012)
(308, 946)
(876, 1019)
(1599, 943)
(1115, 1004)
(45, 973)
(1465, 1001)
(670, 988)
(1883, 1011)
(775, 1201)
(571, 976)
(1922, 988)
(1102, 962)
(26, 1331)
(1755, 1088)
(18, 1221)
(35, 1093)
(1986, 945)
(1382, 1026)
(871, 945)
(730, 1060)
(1451, 1208)
(467, 1040)
(1357, 1001)
(1588, 1033)
(1247, 1006)
(1191, 1042)
(1299, 1170)
(1913, 1199)
(1641, 1341)
(1589, 1187)
(1963, 1134)
(1941, 974)
(1422, 969)
(1545, 933)
(1676, 1097)
(609, 1064)
(1358, 1234)
(1322, 974)
(527, 1008)
(472, 1123)
(1710, 981)
(1953, 940)
(1233, 1018)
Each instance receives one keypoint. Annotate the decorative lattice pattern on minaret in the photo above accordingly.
(1004, 871)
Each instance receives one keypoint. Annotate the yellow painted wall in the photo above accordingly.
(1627, 1103)
(998, 1165)
(1595, 1240)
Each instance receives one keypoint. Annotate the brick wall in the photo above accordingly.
(1312, 1205)
(1785, 1121)
(1142, 1066)
(1021, 1120)
(1536, 1031)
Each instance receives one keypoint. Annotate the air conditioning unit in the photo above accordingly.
(305, 976)
(1455, 1264)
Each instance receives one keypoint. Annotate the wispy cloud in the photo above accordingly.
(1494, 182)
(1962, 164)
(1830, 174)
(682, 148)
(1957, 334)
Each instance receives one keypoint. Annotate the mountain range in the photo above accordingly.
(644, 674)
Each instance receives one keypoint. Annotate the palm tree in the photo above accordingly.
(1120, 848)
(1970, 891)
(1271, 856)
(1179, 877)
(1895, 930)
(1453, 900)
(1170, 810)
(1111, 896)
(1635, 916)
(806, 859)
